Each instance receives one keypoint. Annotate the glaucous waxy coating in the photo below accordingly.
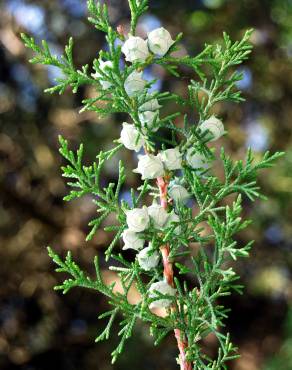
(158, 215)
(103, 66)
(178, 193)
(171, 158)
(159, 41)
(163, 288)
(196, 160)
(138, 219)
(131, 138)
(214, 126)
(134, 84)
(150, 105)
(149, 166)
(132, 240)
(148, 259)
(173, 218)
(148, 119)
(135, 49)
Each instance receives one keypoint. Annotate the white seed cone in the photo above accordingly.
(135, 49)
(164, 288)
(134, 84)
(148, 259)
(138, 219)
(150, 105)
(159, 41)
(214, 126)
(196, 160)
(178, 193)
(131, 138)
(172, 159)
(158, 215)
(149, 166)
(132, 240)
(103, 65)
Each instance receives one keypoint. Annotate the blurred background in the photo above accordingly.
(41, 329)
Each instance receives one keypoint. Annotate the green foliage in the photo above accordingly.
(282, 359)
(99, 15)
(137, 7)
(72, 76)
(119, 301)
(221, 86)
(86, 180)
(206, 276)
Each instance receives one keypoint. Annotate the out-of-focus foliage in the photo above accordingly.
(283, 360)
(36, 330)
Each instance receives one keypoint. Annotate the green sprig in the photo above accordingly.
(203, 277)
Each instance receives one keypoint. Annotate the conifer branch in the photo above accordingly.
(174, 168)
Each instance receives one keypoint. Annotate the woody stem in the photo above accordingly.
(168, 275)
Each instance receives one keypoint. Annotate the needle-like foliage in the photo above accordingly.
(201, 239)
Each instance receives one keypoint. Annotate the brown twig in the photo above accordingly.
(168, 274)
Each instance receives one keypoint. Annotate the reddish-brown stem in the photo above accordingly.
(182, 345)
(162, 185)
(168, 275)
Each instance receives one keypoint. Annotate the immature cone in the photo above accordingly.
(138, 219)
(150, 105)
(159, 41)
(103, 66)
(171, 158)
(214, 126)
(148, 119)
(135, 49)
(131, 137)
(196, 160)
(148, 259)
(149, 166)
(173, 218)
(158, 215)
(134, 84)
(178, 193)
(132, 240)
(163, 288)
